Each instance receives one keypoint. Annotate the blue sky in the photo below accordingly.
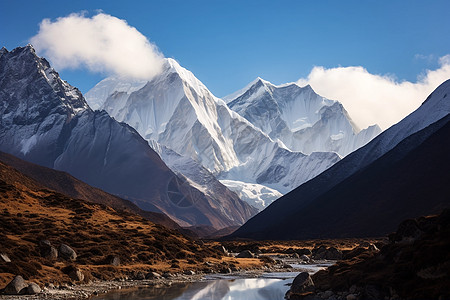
(395, 45)
(228, 43)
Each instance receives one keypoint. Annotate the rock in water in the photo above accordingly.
(16, 286)
(67, 252)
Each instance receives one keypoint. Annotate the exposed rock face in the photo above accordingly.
(178, 112)
(300, 118)
(357, 195)
(46, 121)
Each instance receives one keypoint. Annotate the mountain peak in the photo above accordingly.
(172, 66)
(26, 64)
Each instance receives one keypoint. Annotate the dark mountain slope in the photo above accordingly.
(68, 185)
(46, 121)
(283, 218)
(402, 184)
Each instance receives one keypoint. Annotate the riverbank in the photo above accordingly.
(94, 288)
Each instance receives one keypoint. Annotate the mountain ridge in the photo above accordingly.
(432, 110)
(49, 123)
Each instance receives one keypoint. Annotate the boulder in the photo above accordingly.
(302, 283)
(327, 253)
(4, 258)
(305, 258)
(408, 231)
(33, 289)
(76, 274)
(245, 254)
(267, 260)
(66, 252)
(138, 275)
(373, 248)
(304, 251)
(113, 260)
(225, 270)
(364, 244)
(47, 250)
(189, 272)
(223, 250)
(351, 297)
(152, 275)
(17, 286)
(333, 254)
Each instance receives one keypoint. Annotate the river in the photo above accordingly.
(268, 286)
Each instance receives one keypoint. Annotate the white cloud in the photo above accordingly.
(375, 99)
(101, 43)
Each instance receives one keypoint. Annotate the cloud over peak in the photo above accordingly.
(101, 43)
(375, 99)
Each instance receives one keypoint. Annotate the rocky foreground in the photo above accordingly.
(415, 264)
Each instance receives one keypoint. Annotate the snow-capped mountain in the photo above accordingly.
(176, 110)
(301, 119)
(46, 121)
(394, 174)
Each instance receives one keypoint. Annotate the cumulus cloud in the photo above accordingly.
(101, 43)
(375, 99)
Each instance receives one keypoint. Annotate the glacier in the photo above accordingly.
(177, 111)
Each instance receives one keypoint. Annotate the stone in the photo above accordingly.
(33, 289)
(189, 272)
(302, 283)
(17, 286)
(328, 294)
(364, 244)
(50, 253)
(152, 275)
(139, 276)
(225, 270)
(47, 250)
(333, 254)
(114, 260)
(4, 258)
(245, 254)
(66, 252)
(76, 274)
(305, 258)
(351, 297)
(223, 250)
(267, 259)
(304, 251)
(373, 248)
(295, 255)
(408, 231)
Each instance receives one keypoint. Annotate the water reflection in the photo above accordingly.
(221, 289)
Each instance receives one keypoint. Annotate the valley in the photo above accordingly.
(145, 184)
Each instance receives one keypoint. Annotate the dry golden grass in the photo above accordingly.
(30, 214)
